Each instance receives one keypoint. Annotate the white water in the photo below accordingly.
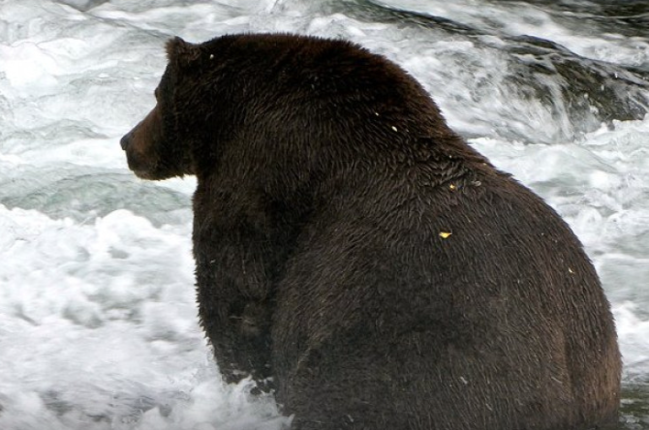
(98, 322)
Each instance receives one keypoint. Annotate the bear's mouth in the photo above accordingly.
(143, 174)
(140, 169)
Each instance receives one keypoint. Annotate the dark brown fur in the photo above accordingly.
(352, 246)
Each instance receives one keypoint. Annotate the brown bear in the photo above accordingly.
(351, 246)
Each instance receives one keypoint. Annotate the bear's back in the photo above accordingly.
(459, 293)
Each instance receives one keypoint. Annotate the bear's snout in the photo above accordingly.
(145, 144)
(125, 141)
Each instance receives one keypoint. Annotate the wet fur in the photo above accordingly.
(354, 248)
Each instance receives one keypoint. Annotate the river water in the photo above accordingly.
(98, 322)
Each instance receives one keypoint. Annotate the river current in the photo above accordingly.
(98, 326)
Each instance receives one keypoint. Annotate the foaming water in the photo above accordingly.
(98, 326)
(571, 25)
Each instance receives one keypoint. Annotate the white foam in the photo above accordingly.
(98, 326)
(518, 18)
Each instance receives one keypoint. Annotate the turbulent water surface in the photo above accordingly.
(98, 324)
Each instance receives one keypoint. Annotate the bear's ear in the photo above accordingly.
(181, 53)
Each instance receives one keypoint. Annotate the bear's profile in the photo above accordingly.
(351, 246)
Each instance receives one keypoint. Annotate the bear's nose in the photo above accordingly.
(126, 140)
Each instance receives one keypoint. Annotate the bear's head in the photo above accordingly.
(155, 148)
(279, 110)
